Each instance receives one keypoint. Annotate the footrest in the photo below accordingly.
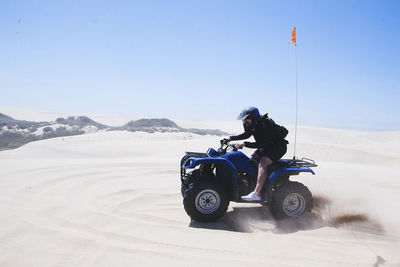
(244, 201)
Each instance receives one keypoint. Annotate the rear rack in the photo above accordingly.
(304, 162)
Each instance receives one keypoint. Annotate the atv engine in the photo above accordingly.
(246, 184)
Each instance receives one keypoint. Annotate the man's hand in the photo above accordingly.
(239, 146)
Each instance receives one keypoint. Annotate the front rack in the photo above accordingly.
(197, 154)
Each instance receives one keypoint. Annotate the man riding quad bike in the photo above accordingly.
(210, 180)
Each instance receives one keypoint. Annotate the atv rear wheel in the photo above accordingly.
(205, 202)
(292, 199)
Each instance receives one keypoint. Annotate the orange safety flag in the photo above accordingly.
(293, 36)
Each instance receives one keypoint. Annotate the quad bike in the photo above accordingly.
(210, 180)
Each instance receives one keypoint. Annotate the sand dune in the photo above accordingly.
(113, 199)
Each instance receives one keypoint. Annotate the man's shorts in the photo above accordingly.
(274, 153)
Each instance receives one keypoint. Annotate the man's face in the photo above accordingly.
(247, 123)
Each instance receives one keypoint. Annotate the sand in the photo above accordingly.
(113, 199)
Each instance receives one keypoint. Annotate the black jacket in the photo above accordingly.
(263, 136)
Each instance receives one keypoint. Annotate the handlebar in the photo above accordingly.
(224, 142)
(225, 145)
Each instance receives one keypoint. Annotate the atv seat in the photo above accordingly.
(276, 165)
(271, 168)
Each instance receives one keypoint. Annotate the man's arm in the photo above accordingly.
(242, 136)
(251, 144)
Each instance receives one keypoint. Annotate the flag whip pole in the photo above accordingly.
(297, 102)
(297, 91)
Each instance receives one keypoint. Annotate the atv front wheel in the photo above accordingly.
(292, 199)
(191, 177)
(205, 202)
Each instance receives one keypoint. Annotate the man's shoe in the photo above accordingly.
(251, 197)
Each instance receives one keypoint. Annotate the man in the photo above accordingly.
(270, 147)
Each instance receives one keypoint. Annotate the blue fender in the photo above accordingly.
(279, 172)
(193, 162)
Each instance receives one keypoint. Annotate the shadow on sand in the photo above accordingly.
(251, 219)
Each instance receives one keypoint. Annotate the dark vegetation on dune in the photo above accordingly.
(15, 133)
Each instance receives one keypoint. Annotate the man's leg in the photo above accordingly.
(262, 174)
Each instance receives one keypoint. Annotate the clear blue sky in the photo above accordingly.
(205, 59)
